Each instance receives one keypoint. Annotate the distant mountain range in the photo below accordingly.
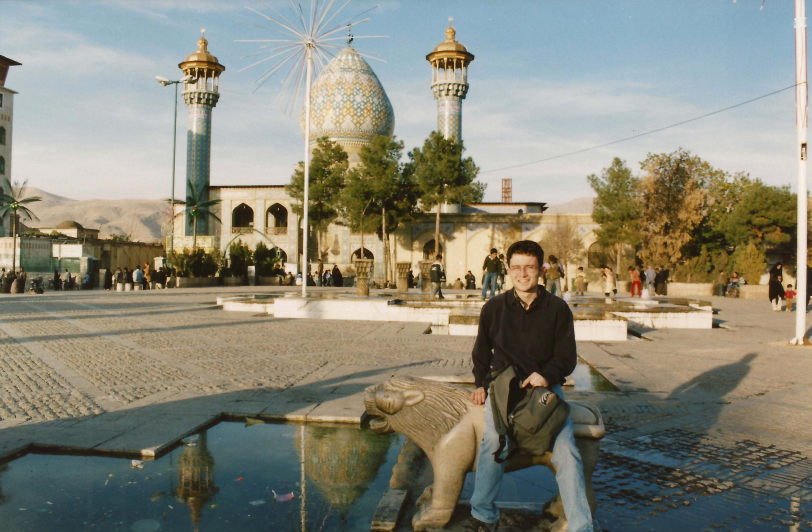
(145, 220)
(141, 220)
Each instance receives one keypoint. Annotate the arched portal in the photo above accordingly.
(276, 219)
(278, 254)
(598, 256)
(428, 250)
(242, 218)
(367, 253)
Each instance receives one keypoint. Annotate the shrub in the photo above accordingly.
(750, 262)
(264, 260)
(240, 258)
(195, 263)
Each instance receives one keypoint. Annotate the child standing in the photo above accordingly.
(789, 296)
(580, 281)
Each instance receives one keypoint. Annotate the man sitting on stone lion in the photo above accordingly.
(533, 331)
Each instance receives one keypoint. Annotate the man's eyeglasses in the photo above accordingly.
(524, 269)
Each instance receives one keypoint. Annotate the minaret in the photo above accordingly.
(200, 95)
(449, 82)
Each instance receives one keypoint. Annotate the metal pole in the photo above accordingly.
(306, 205)
(172, 195)
(801, 103)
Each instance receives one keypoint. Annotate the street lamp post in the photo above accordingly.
(166, 82)
(801, 102)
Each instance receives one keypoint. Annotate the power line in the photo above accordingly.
(643, 134)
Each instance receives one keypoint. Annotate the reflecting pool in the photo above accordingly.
(233, 476)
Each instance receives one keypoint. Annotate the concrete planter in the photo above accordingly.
(195, 282)
(233, 281)
(690, 289)
(754, 291)
(268, 280)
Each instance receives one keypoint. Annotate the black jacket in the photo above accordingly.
(540, 339)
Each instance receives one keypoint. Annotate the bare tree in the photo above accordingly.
(564, 241)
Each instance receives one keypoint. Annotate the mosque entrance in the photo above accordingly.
(367, 254)
(428, 250)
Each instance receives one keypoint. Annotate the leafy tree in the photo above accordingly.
(13, 202)
(328, 173)
(673, 201)
(723, 192)
(564, 241)
(750, 262)
(764, 215)
(264, 259)
(198, 206)
(195, 262)
(121, 237)
(443, 175)
(616, 208)
(380, 193)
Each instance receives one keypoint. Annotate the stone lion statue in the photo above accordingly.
(441, 419)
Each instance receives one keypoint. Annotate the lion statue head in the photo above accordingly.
(422, 410)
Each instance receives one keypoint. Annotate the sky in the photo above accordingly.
(550, 77)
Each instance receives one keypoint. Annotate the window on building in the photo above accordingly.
(2, 166)
(242, 216)
(2, 136)
(1, 101)
(277, 216)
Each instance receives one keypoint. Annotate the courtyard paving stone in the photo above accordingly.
(704, 421)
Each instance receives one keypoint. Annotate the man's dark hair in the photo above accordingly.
(493, 250)
(439, 256)
(526, 247)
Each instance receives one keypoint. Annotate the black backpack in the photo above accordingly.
(527, 419)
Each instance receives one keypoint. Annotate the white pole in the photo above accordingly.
(801, 103)
(305, 206)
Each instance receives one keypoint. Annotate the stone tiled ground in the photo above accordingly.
(711, 429)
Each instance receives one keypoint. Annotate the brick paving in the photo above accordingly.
(710, 429)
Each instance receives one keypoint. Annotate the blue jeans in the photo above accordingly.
(489, 281)
(569, 474)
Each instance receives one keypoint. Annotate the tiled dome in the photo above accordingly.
(348, 103)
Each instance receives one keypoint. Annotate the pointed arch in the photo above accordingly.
(276, 219)
(428, 250)
(242, 218)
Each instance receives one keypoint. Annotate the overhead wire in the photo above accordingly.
(643, 134)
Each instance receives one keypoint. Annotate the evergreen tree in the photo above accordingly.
(328, 173)
(616, 208)
(443, 175)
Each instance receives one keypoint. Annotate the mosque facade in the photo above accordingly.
(350, 106)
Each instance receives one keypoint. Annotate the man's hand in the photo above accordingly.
(535, 380)
(478, 396)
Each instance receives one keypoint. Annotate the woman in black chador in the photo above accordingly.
(776, 285)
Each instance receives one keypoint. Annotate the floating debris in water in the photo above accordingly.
(239, 479)
(258, 502)
(284, 497)
(137, 464)
(249, 421)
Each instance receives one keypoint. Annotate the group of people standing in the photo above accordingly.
(138, 278)
(12, 282)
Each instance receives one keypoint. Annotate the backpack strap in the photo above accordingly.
(501, 383)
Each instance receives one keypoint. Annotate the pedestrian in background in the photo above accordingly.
(490, 269)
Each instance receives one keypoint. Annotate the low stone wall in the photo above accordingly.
(690, 289)
(233, 281)
(754, 291)
(268, 280)
(195, 282)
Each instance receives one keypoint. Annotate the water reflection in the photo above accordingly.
(196, 477)
(267, 477)
(341, 464)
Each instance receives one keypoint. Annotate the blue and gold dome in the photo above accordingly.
(348, 103)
